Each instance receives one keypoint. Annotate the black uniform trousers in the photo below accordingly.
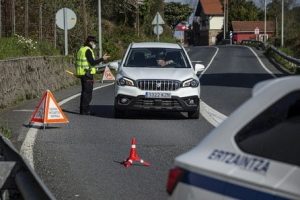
(87, 82)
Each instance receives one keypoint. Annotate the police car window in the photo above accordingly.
(275, 133)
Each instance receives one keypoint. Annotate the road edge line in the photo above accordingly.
(261, 63)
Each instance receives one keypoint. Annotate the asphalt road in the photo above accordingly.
(82, 160)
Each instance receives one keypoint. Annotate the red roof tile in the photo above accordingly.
(249, 26)
(212, 7)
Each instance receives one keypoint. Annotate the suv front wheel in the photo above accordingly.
(118, 113)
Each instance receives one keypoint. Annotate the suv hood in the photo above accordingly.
(136, 73)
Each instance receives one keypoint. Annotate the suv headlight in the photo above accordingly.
(190, 83)
(125, 81)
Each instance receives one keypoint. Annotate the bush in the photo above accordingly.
(19, 46)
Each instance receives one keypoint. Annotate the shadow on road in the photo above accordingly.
(49, 126)
(106, 111)
(235, 79)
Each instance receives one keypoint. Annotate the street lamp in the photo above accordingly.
(138, 4)
(265, 22)
(225, 18)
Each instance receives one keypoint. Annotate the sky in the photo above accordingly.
(194, 2)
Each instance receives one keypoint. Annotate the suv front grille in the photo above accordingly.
(158, 85)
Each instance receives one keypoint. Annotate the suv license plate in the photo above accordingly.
(158, 95)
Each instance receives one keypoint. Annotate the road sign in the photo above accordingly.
(230, 33)
(158, 19)
(70, 17)
(65, 19)
(158, 29)
(256, 31)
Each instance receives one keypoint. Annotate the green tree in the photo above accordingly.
(176, 12)
(243, 10)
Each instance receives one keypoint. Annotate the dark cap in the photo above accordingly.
(91, 39)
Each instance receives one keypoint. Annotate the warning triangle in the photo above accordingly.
(107, 75)
(48, 111)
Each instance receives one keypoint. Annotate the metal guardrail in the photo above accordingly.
(293, 62)
(17, 179)
(257, 44)
(288, 58)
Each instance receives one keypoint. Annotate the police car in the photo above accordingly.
(254, 154)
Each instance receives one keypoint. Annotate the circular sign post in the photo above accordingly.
(158, 29)
(66, 20)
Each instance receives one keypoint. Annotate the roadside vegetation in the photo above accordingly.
(5, 131)
(243, 10)
(39, 35)
(19, 46)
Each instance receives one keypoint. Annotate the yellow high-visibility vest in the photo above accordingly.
(82, 65)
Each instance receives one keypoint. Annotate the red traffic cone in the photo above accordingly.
(134, 156)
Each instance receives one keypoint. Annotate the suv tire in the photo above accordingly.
(118, 113)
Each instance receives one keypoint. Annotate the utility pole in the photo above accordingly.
(138, 4)
(138, 19)
(26, 18)
(84, 19)
(265, 23)
(227, 20)
(224, 26)
(13, 17)
(0, 18)
(282, 23)
(54, 23)
(41, 21)
(100, 28)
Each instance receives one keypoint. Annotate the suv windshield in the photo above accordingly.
(157, 57)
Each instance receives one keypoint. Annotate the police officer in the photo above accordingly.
(85, 70)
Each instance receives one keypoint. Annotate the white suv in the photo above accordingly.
(157, 77)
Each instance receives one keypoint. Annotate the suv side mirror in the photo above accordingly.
(199, 68)
(114, 65)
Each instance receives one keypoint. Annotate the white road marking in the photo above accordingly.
(212, 59)
(197, 61)
(261, 63)
(211, 115)
(27, 146)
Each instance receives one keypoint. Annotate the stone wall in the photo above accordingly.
(27, 78)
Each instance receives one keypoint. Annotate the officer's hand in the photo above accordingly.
(105, 56)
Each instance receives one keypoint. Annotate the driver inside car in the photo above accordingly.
(162, 61)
